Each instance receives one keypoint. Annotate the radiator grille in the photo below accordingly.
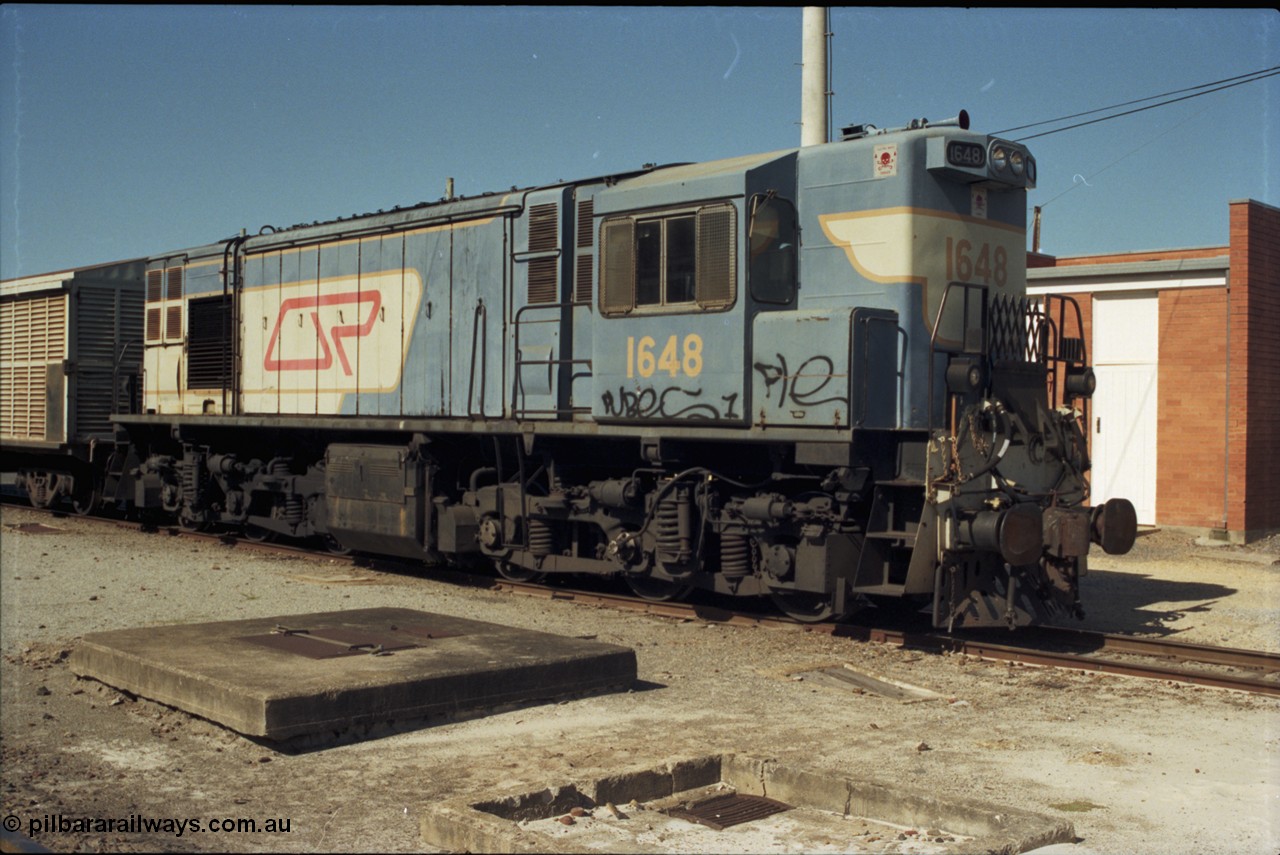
(107, 325)
(32, 336)
(208, 343)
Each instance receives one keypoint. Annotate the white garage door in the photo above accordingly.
(1125, 358)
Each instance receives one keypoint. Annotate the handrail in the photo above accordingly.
(518, 394)
(479, 324)
(937, 324)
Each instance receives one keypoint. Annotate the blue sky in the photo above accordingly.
(131, 130)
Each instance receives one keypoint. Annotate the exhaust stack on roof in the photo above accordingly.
(813, 82)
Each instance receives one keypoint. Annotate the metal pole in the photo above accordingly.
(813, 83)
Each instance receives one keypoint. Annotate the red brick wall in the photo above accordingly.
(1192, 382)
(1255, 376)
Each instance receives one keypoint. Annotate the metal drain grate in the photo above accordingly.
(721, 812)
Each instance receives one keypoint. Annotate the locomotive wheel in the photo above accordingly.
(657, 590)
(515, 573)
(804, 606)
(86, 503)
(258, 534)
(331, 544)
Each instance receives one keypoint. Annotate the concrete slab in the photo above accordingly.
(281, 677)
(632, 812)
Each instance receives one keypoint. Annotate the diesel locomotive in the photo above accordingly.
(811, 374)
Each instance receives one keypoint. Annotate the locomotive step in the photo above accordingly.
(888, 590)
(892, 535)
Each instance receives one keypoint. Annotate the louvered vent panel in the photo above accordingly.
(33, 332)
(717, 259)
(93, 402)
(208, 350)
(96, 318)
(543, 228)
(582, 280)
(586, 240)
(155, 286)
(173, 323)
(617, 267)
(23, 413)
(544, 236)
(586, 211)
(174, 291)
(153, 324)
(542, 280)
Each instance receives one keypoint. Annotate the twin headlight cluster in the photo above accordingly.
(997, 163)
(1007, 160)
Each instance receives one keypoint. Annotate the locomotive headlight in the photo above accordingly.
(1081, 382)
(965, 376)
(1000, 158)
(1016, 162)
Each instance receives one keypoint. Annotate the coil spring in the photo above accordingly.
(735, 555)
(541, 537)
(667, 527)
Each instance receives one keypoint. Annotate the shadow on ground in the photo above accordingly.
(1137, 602)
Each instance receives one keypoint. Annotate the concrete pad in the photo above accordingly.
(631, 812)
(281, 677)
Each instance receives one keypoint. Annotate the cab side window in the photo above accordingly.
(676, 261)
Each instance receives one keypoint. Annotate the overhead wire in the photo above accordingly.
(1085, 180)
(1226, 83)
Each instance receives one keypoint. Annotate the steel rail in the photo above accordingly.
(1011, 653)
(1029, 654)
(1026, 648)
(1166, 648)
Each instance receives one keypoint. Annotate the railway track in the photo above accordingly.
(1251, 671)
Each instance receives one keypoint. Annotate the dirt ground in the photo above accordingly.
(1138, 766)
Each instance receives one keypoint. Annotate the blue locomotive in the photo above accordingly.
(811, 374)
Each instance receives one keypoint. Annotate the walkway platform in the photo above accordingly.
(281, 677)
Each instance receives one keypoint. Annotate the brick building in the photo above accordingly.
(1186, 347)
